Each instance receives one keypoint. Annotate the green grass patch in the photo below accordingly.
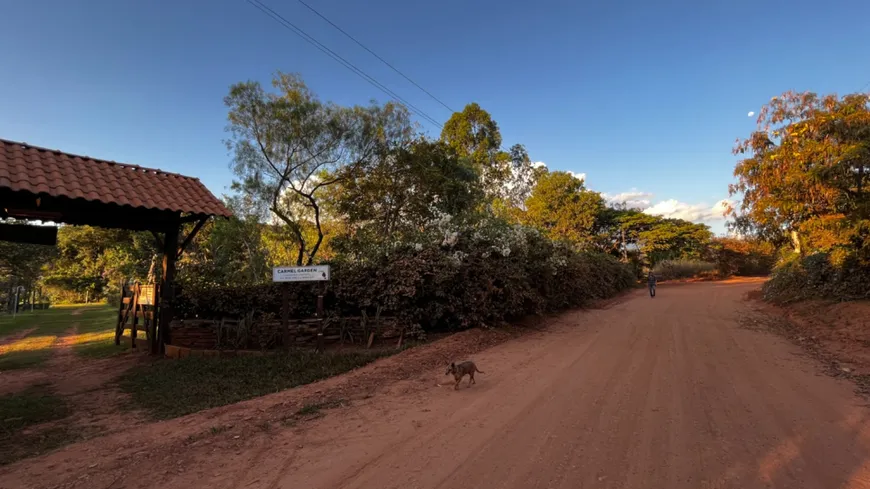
(94, 338)
(55, 320)
(29, 407)
(26, 409)
(27, 352)
(96, 334)
(171, 388)
(15, 360)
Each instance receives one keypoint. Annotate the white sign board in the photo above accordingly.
(316, 273)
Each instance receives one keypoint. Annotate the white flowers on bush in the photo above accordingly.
(557, 262)
(457, 257)
(418, 247)
(450, 238)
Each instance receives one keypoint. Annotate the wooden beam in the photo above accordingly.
(190, 236)
(170, 248)
(192, 218)
(24, 233)
(22, 205)
(158, 241)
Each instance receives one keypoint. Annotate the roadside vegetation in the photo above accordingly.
(805, 187)
(683, 269)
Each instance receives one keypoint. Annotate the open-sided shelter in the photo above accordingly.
(41, 184)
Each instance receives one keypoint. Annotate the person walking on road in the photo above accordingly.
(651, 281)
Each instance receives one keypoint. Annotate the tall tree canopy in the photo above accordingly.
(474, 134)
(408, 189)
(561, 206)
(289, 147)
(806, 172)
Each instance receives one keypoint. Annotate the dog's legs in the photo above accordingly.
(456, 385)
(471, 379)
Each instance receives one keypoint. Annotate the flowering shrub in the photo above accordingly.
(447, 279)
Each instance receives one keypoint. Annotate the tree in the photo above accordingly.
(523, 177)
(562, 208)
(90, 261)
(229, 251)
(21, 264)
(407, 190)
(633, 235)
(806, 172)
(473, 133)
(673, 239)
(289, 147)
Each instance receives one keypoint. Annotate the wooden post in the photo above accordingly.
(170, 254)
(322, 324)
(118, 329)
(285, 314)
(151, 331)
(137, 292)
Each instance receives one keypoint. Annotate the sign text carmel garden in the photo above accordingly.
(317, 273)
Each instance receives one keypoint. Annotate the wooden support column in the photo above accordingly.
(285, 315)
(170, 255)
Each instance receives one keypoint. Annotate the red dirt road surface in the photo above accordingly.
(665, 393)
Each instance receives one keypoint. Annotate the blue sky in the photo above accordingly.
(642, 97)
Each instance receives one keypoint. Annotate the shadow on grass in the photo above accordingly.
(171, 388)
(20, 416)
(26, 353)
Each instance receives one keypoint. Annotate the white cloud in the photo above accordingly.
(750, 114)
(670, 208)
(675, 209)
(579, 176)
(634, 198)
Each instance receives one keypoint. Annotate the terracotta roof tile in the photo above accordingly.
(44, 171)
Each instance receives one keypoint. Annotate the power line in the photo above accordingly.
(333, 24)
(347, 64)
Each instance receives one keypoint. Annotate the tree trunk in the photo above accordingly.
(796, 242)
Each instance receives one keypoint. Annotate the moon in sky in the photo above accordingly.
(750, 114)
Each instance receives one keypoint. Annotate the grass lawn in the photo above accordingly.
(94, 323)
(26, 409)
(171, 388)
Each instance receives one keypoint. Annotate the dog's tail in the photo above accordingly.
(478, 370)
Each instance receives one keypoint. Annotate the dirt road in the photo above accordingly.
(668, 392)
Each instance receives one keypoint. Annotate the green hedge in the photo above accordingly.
(817, 276)
(473, 279)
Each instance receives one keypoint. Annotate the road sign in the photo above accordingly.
(316, 273)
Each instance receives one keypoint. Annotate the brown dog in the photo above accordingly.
(461, 370)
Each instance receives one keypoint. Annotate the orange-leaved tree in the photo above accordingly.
(806, 173)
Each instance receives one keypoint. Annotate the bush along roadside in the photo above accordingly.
(683, 269)
(819, 276)
(445, 281)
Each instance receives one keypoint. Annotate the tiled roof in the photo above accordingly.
(51, 172)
